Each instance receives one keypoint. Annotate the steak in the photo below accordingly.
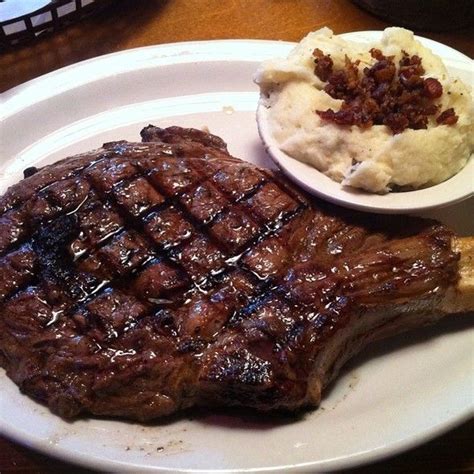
(144, 278)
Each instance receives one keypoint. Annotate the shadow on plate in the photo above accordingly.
(420, 336)
(259, 156)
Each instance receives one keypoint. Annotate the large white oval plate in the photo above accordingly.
(453, 190)
(400, 393)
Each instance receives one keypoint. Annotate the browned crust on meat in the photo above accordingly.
(143, 278)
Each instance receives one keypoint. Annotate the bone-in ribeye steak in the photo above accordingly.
(143, 278)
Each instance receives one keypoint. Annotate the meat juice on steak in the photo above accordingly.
(143, 278)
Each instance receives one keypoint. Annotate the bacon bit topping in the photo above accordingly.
(432, 88)
(323, 65)
(381, 95)
(448, 117)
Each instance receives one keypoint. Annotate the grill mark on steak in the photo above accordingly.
(154, 276)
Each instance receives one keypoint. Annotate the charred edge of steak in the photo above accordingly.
(177, 135)
(30, 171)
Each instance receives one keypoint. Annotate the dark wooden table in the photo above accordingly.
(133, 23)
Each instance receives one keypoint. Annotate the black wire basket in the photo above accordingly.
(51, 17)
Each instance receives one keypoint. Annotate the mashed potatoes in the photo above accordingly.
(373, 158)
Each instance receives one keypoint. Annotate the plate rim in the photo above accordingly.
(181, 51)
(348, 461)
(332, 465)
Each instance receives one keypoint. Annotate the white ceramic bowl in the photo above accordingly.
(451, 191)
